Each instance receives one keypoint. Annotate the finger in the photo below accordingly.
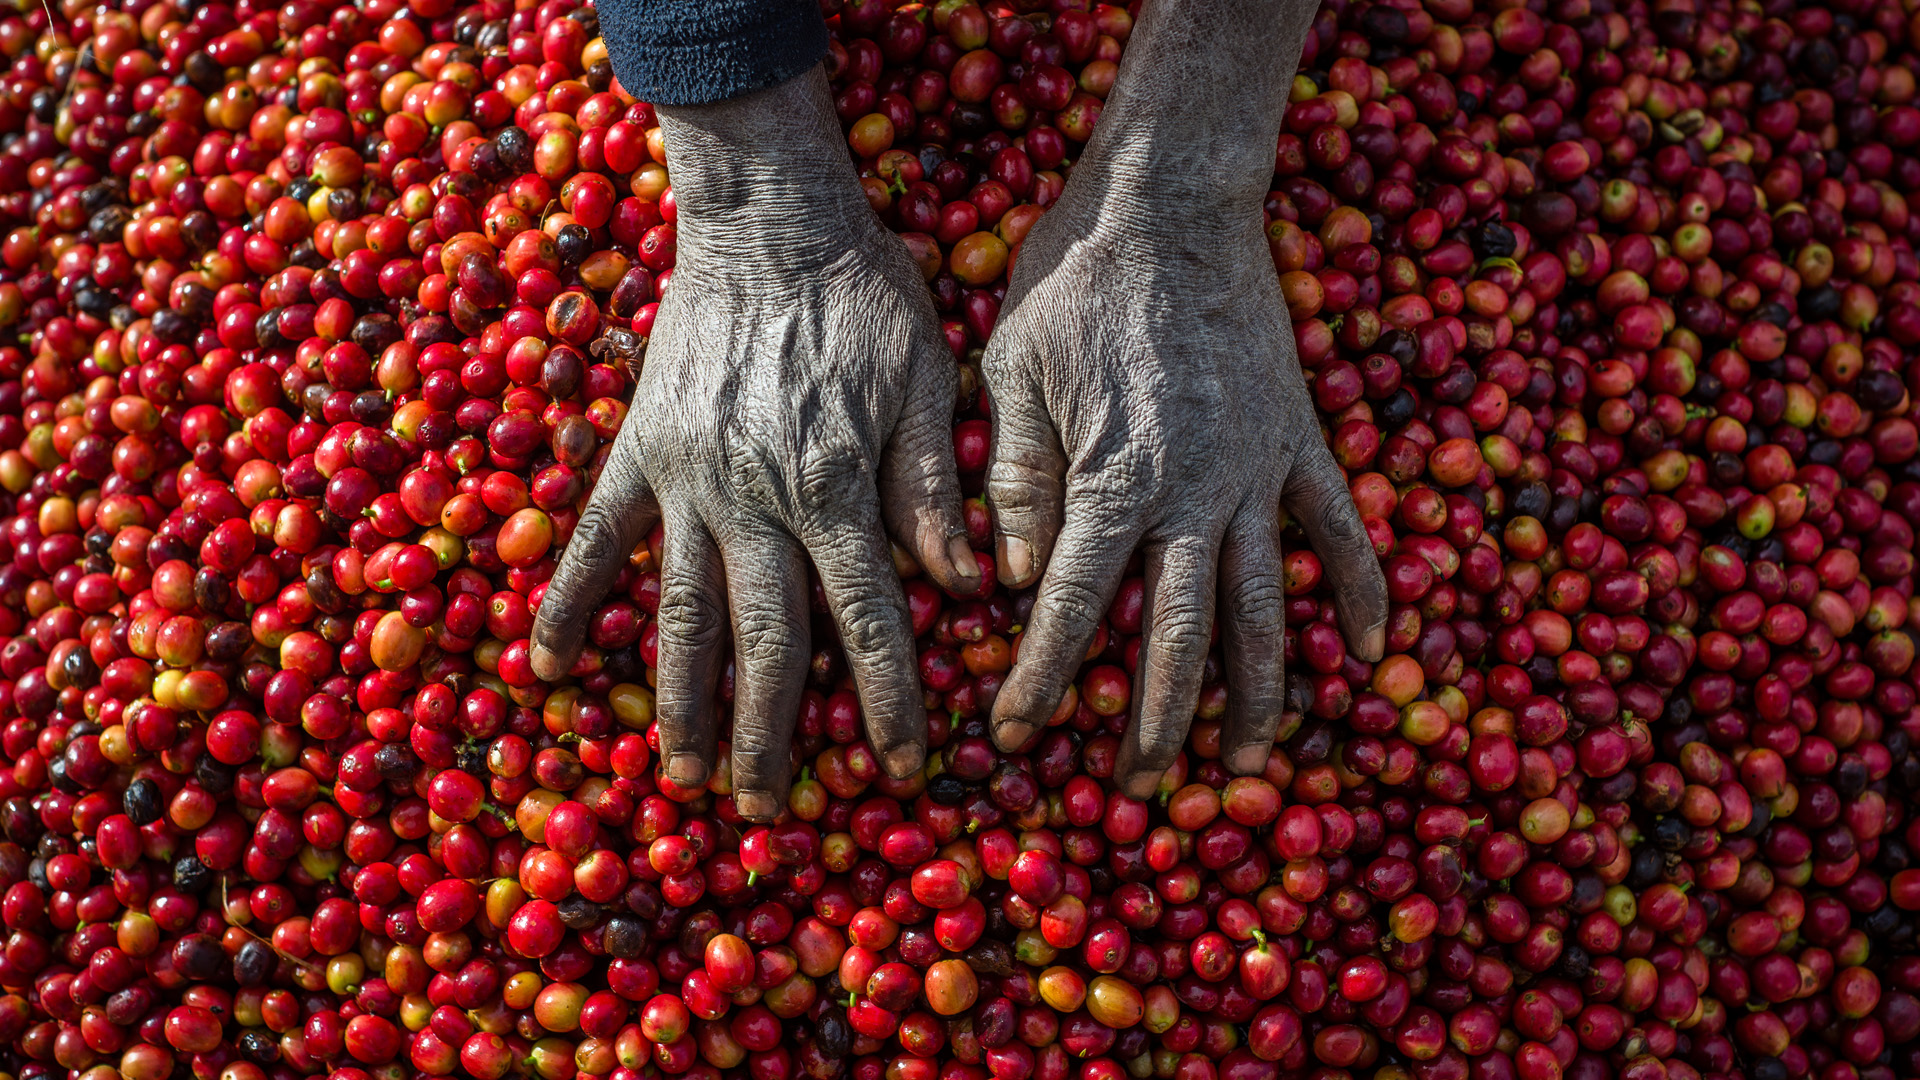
(876, 634)
(1025, 480)
(919, 490)
(1253, 633)
(1178, 621)
(617, 517)
(767, 591)
(693, 626)
(1317, 496)
(1081, 578)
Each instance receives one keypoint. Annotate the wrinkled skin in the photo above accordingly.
(1146, 395)
(796, 402)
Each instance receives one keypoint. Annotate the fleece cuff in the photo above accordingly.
(695, 52)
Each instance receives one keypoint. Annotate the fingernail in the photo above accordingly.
(964, 563)
(903, 761)
(1018, 556)
(1375, 645)
(1248, 760)
(1011, 735)
(546, 666)
(686, 769)
(1140, 785)
(755, 805)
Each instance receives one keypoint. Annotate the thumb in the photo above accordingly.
(920, 492)
(1026, 480)
(617, 517)
(1316, 495)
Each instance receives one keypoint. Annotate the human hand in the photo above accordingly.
(1146, 394)
(796, 403)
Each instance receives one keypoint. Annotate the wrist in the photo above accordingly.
(1197, 107)
(765, 172)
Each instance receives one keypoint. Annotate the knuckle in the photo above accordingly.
(1183, 616)
(832, 478)
(689, 620)
(1012, 485)
(1018, 420)
(870, 625)
(595, 541)
(1259, 608)
(1005, 354)
(1073, 601)
(748, 469)
(1336, 524)
(1180, 639)
(1339, 530)
(762, 640)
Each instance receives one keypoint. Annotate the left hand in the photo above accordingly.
(1146, 393)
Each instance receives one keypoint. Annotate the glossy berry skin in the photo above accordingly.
(322, 322)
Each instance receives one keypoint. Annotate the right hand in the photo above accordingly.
(796, 404)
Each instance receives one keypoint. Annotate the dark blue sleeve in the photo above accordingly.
(692, 52)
